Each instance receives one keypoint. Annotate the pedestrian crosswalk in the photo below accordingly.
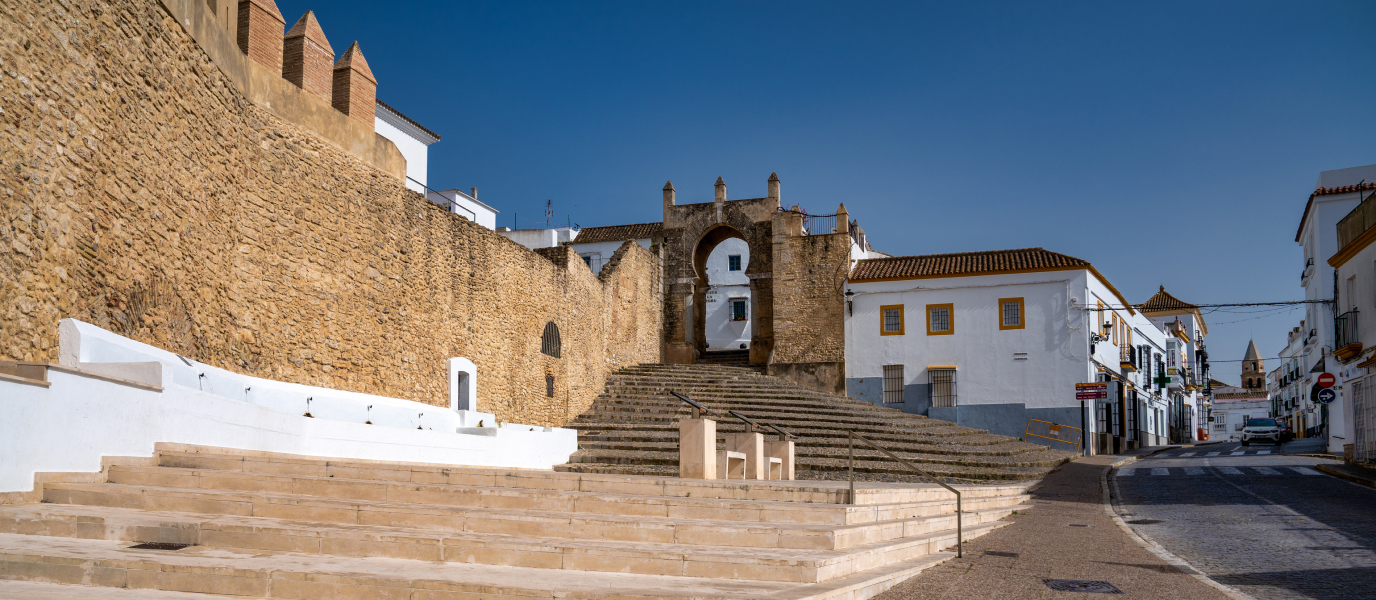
(1238, 452)
(1198, 471)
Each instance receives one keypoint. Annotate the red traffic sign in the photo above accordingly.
(1326, 380)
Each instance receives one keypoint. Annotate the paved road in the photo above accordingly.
(1266, 524)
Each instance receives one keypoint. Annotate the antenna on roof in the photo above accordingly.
(549, 212)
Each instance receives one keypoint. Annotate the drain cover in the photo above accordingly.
(1078, 525)
(158, 546)
(1144, 521)
(994, 553)
(1089, 587)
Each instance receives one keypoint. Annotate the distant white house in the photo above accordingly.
(411, 138)
(467, 205)
(597, 244)
(991, 340)
(728, 296)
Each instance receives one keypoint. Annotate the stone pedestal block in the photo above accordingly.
(697, 448)
(782, 450)
(752, 446)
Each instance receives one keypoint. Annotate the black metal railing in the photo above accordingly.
(819, 224)
(1345, 329)
(960, 512)
(451, 204)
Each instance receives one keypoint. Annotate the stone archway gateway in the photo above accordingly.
(796, 271)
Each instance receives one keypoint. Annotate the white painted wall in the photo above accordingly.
(415, 151)
(70, 425)
(727, 285)
(597, 254)
(463, 203)
(538, 238)
(1232, 413)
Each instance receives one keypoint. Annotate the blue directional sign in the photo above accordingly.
(1326, 395)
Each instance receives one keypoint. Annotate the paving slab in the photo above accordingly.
(1069, 535)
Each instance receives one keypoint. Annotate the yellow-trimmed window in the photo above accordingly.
(941, 319)
(1011, 314)
(891, 319)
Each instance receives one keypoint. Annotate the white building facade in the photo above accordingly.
(1336, 195)
(1353, 424)
(992, 340)
(411, 138)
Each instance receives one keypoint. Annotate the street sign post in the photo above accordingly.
(1091, 391)
(1327, 395)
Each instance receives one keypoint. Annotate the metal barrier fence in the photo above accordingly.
(1055, 432)
(819, 224)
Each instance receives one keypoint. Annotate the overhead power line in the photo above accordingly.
(1287, 303)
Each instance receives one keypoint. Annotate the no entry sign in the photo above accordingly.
(1326, 380)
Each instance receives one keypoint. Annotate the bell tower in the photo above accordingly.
(1253, 369)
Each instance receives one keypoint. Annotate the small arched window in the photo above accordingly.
(549, 343)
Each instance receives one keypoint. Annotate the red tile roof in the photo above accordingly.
(962, 264)
(1323, 191)
(406, 118)
(618, 233)
(1164, 301)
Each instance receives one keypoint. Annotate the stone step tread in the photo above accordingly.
(761, 511)
(77, 520)
(33, 590)
(814, 462)
(670, 451)
(288, 575)
(670, 440)
(419, 541)
(867, 426)
(838, 475)
(807, 432)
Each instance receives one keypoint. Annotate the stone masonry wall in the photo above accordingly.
(140, 191)
(809, 305)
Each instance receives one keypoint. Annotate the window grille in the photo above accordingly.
(941, 387)
(891, 319)
(939, 319)
(549, 343)
(733, 262)
(549, 386)
(893, 384)
(738, 310)
(1012, 314)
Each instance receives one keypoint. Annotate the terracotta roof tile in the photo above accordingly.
(1323, 191)
(963, 263)
(1164, 301)
(406, 118)
(618, 233)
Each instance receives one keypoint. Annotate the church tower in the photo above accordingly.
(1253, 369)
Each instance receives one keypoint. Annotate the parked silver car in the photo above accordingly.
(1259, 430)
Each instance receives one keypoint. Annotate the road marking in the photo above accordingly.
(1229, 471)
(1194, 470)
(1186, 454)
(1267, 471)
(1160, 471)
(1239, 453)
(1264, 452)
(1211, 454)
(1305, 471)
(1126, 472)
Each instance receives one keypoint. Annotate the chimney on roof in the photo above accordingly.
(721, 191)
(774, 189)
(842, 219)
(307, 58)
(260, 32)
(355, 88)
(669, 195)
(474, 194)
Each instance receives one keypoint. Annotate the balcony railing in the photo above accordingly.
(1345, 343)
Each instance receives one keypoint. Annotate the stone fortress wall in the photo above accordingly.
(152, 185)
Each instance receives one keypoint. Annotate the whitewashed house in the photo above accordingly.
(467, 205)
(1286, 387)
(597, 244)
(728, 296)
(993, 339)
(1185, 362)
(411, 138)
(1354, 345)
(1338, 192)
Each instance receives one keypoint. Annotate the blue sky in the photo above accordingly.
(1167, 143)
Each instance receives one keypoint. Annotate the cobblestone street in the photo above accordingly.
(1268, 525)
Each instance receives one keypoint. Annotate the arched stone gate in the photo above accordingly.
(796, 279)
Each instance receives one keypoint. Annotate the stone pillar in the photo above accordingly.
(697, 448)
(842, 219)
(721, 191)
(355, 88)
(774, 190)
(669, 195)
(676, 349)
(700, 316)
(308, 59)
(762, 311)
(752, 445)
(260, 32)
(783, 450)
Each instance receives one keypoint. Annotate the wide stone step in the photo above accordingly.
(34, 590)
(581, 554)
(938, 469)
(632, 439)
(1024, 459)
(294, 575)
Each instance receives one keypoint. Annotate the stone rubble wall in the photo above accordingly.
(142, 192)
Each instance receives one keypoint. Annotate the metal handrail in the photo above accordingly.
(702, 410)
(960, 513)
(453, 203)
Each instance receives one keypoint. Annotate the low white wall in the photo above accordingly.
(71, 424)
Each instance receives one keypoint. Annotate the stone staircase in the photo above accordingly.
(263, 525)
(632, 428)
(729, 358)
